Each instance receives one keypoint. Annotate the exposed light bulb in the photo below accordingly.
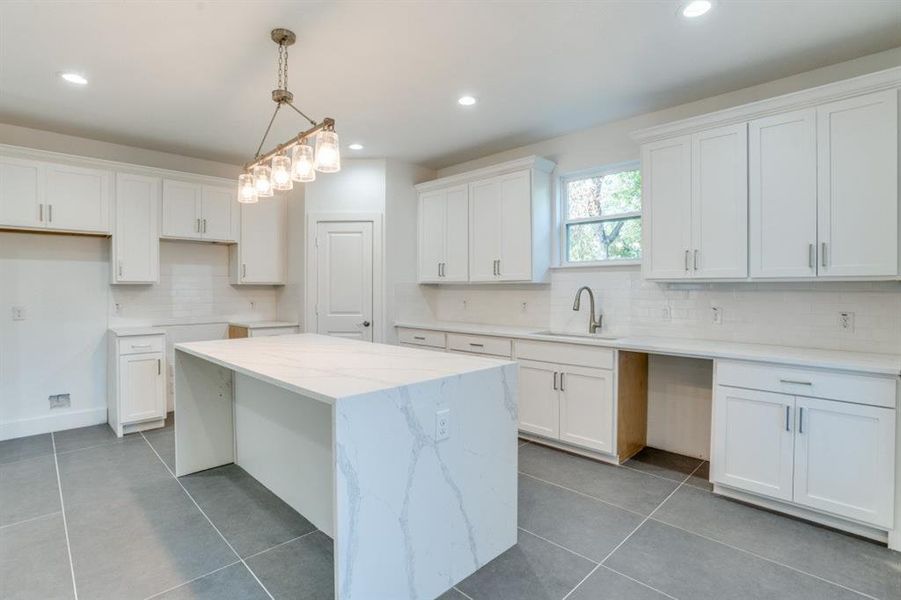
(262, 181)
(328, 155)
(302, 166)
(247, 193)
(281, 173)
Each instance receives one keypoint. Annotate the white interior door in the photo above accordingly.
(344, 259)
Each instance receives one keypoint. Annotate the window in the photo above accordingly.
(602, 216)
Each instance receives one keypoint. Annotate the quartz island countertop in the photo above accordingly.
(330, 368)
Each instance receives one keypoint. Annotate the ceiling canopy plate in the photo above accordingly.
(283, 36)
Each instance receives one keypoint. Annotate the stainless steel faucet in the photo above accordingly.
(593, 324)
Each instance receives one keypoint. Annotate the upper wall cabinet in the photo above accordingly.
(136, 230)
(43, 195)
(193, 211)
(260, 256)
(492, 225)
(796, 187)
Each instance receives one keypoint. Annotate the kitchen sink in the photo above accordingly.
(580, 336)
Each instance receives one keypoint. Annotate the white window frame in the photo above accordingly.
(563, 222)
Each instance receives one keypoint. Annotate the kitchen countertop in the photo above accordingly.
(263, 324)
(130, 331)
(330, 368)
(881, 364)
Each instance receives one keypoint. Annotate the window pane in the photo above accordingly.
(605, 195)
(606, 240)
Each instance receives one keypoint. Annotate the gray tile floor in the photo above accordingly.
(82, 510)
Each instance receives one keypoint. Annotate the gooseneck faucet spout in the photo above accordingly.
(593, 324)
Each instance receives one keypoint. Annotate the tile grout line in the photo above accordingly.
(216, 529)
(30, 519)
(641, 583)
(175, 587)
(764, 558)
(562, 547)
(574, 491)
(462, 593)
(626, 539)
(280, 544)
(62, 510)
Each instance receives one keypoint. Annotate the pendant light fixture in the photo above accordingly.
(294, 160)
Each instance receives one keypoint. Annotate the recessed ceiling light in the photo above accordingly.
(696, 8)
(466, 100)
(74, 78)
(356, 146)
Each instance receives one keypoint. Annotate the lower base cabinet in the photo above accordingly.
(137, 382)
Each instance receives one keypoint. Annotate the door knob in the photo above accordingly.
(365, 323)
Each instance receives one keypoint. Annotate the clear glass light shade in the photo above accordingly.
(328, 156)
(262, 180)
(302, 166)
(247, 192)
(281, 172)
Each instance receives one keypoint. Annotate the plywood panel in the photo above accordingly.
(680, 392)
(632, 403)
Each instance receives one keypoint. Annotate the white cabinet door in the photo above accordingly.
(216, 203)
(539, 402)
(262, 247)
(21, 193)
(782, 182)
(753, 441)
(844, 459)
(181, 210)
(586, 408)
(719, 208)
(456, 236)
(136, 232)
(666, 193)
(515, 232)
(484, 229)
(141, 387)
(77, 198)
(858, 185)
(432, 231)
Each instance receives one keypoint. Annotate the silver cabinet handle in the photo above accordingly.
(787, 412)
(562, 380)
(696, 260)
(439, 269)
(159, 367)
(197, 226)
(243, 271)
(812, 255)
(801, 420)
(498, 267)
(795, 382)
(140, 345)
(823, 251)
(494, 267)
(40, 213)
(474, 345)
(204, 225)
(120, 268)
(686, 262)
(419, 337)
(50, 213)
(555, 380)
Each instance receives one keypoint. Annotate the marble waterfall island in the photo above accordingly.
(406, 458)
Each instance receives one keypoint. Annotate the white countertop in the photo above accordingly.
(330, 368)
(880, 364)
(130, 331)
(263, 324)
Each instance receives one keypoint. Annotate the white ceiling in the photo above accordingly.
(195, 77)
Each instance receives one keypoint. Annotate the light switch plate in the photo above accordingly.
(19, 313)
(442, 424)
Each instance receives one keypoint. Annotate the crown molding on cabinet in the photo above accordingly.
(830, 92)
(529, 162)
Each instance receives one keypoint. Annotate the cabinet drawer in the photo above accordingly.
(847, 387)
(421, 337)
(568, 354)
(480, 344)
(141, 344)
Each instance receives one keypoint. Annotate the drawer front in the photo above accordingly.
(568, 354)
(141, 344)
(421, 337)
(480, 344)
(796, 381)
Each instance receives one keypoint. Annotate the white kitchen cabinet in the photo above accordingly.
(500, 224)
(844, 459)
(136, 231)
(77, 198)
(216, 205)
(858, 186)
(587, 408)
(782, 188)
(21, 192)
(753, 441)
(444, 235)
(666, 204)
(539, 398)
(137, 380)
(261, 252)
(196, 211)
(719, 203)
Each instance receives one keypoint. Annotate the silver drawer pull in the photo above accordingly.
(555, 380)
(419, 337)
(476, 345)
(801, 420)
(140, 345)
(788, 410)
(795, 382)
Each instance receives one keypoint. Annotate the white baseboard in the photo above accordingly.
(48, 423)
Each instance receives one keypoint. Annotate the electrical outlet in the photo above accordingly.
(442, 424)
(465, 304)
(525, 307)
(846, 321)
(666, 313)
(18, 313)
(253, 305)
(717, 315)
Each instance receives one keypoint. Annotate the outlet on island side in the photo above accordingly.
(846, 321)
(442, 424)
